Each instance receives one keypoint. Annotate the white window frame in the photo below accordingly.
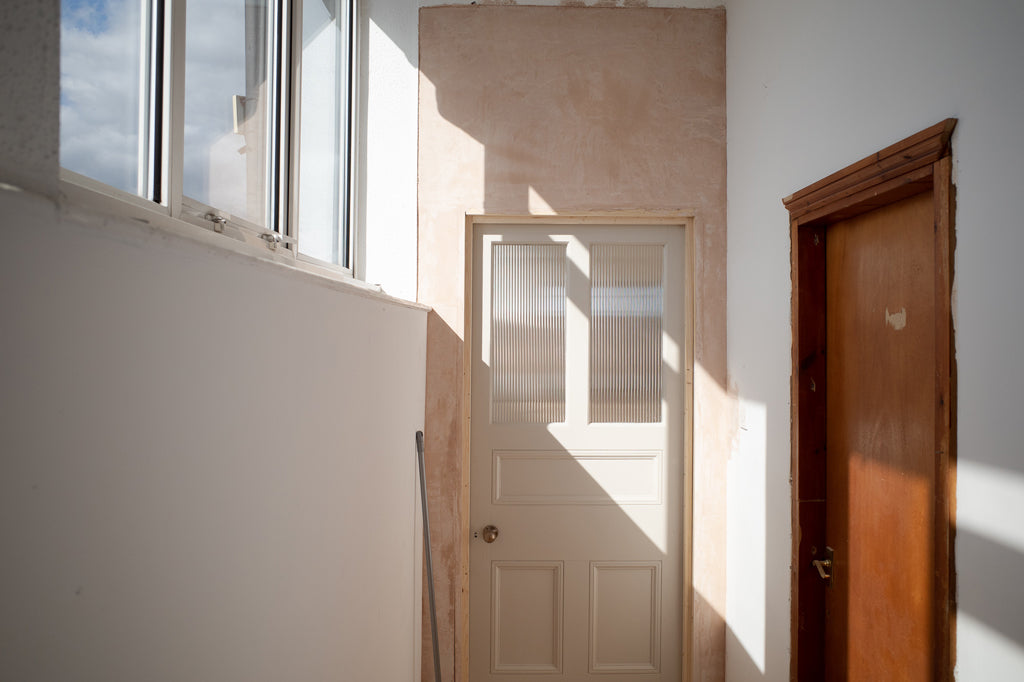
(181, 214)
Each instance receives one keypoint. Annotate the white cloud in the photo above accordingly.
(100, 95)
(99, 84)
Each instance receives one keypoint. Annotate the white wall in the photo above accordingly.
(388, 97)
(207, 467)
(812, 87)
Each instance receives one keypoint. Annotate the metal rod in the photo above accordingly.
(430, 566)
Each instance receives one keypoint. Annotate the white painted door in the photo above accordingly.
(578, 416)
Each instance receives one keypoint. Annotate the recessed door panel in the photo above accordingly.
(625, 618)
(577, 477)
(526, 629)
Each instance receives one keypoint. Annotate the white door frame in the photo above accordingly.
(683, 219)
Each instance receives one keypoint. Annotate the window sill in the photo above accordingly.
(110, 208)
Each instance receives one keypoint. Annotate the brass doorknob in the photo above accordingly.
(489, 534)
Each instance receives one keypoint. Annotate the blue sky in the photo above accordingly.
(92, 16)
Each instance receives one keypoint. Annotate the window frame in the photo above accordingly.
(347, 213)
(161, 172)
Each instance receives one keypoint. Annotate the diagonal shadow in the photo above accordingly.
(558, 110)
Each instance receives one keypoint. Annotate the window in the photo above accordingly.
(232, 114)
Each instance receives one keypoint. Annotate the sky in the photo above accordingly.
(101, 67)
(101, 82)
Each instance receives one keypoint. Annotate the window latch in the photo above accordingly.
(272, 239)
(218, 221)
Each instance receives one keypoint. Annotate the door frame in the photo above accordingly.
(683, 219)
(918, 164)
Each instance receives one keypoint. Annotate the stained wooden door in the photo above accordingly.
(881, 477)
(873, 417)
(577, 453)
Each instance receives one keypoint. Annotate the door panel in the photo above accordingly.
(625, 619)
(526, 611)
(577, 452)
(880, 463)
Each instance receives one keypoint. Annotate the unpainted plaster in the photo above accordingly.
(566, 111)
(29, 94)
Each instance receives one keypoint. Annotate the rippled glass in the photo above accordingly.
(626, 314)
(528, 333)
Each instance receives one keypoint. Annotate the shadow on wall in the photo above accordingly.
(1003, 565)
(443, 464)
(556, 110)
(627, 528)
(586, 109)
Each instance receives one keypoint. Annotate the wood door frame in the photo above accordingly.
(686, 221)
(918, 164)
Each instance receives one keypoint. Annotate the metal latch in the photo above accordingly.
(218, 221)
(825, 566)
(272, 239)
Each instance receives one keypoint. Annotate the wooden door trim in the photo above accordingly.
(920, 163)
(867, 184)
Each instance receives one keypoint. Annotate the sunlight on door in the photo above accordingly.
(578, 451)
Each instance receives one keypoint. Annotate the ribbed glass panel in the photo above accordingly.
(528, 333)
(626, 295)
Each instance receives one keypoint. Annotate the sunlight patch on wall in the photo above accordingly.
(746, 564)
(990, 503)
(389, 95)
(538, 205)
(985, 653)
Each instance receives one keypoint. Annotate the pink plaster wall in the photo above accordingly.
(568, 110)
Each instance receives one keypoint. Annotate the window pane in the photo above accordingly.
(102, 81)
(323, 147)
(626, 296)
(226, 112)
(528, 333)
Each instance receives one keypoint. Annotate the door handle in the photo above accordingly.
(824, 566)
(489, 534)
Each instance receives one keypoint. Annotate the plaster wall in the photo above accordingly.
(29, 69)
(561, 111)
(386, 172)
(207, 467)
(813, 87)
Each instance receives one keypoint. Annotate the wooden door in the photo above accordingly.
(873, 406)
(577, 453)
(880, 459)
